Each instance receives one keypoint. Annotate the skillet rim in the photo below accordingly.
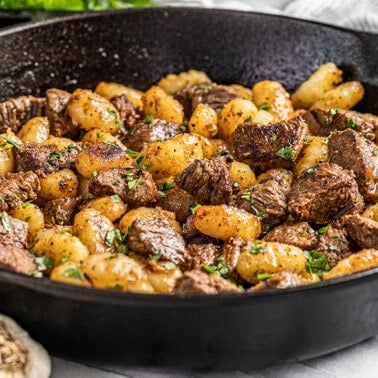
(67, 16)
(95, 295)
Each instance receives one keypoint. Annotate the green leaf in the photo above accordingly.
(208, 268)
(56, 155)
(74, 273)
(44, 263)
(264, 106)
(263, 276)
(6, 223)
(194, 208)
(286, 153)
(10, 141)
(148, 118)
(316, 262)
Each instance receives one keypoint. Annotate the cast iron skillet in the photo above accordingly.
(137, 47)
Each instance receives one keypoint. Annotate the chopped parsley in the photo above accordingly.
(263, 276)
(74, 273)
(194, 208)
(273, 138)
(286, 153)
(148, 118)
(257, 249)
(310, 170)
(185, 123)
(115, 238)
(44, 263)
(264, 106)
(56, 155)
(116, 287)
(166, 186)
(333, 111)
(248, 197)
(132, 182)
(116, 198)
(71, 148)
(169, 265)
(25, 204)
(111, 114)
(9, 141)
(248, 119)
(93, 175)
(6, 223)
(208, 268)
(133, 131)
(316, 262)
(131, 153)
(155, 257)
(324, 229)
(351, 124)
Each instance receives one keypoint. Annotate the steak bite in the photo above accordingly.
(208, 180)
(323, 194)
(322, 122)
(127, 113)
(352, 151)
(60, 124)
(280, 280)
(156, 238)
(202, 254)
(196, 281)
(44, 159)
(144, 133)
(16, 188)
(13, 231)
(268, 198)
(178, 201)
(15, 112)
(60, 211)
(334, 244)
(299, 234)
(135, 186)
(212, 94)
(364, 231)
(17, 259)
(270, 146)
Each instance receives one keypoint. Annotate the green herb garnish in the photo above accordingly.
(264, 106)
(148, 118)
(55, 156)
(6, 223)
(74, 273)
(316, 262)
(351, 124)
(263, 276)
(286, 153)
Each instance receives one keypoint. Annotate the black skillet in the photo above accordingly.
(137, 47)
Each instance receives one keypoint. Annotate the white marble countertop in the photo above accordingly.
(360, 360)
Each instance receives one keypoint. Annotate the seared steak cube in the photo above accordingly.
(127, 113)
(16, 188)
(335, 245)
(45, 158)
(208, 180)
(178, 201)
(323, 194)
(135, 186)
(299, 234)
(15, 112)
(60, 211)
(144, 133)
(196, 281)
(157, 239)
(364, 231)
(60, 124)
(281, 280)
(322, 122)
(201, 254)
(268, 198)
(13, 231)
(352, 151)
(270, 146)
(17, 259)
(215, 95)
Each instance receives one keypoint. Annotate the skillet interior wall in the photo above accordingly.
(232, 47)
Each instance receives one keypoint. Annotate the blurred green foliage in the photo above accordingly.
(71, 5)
